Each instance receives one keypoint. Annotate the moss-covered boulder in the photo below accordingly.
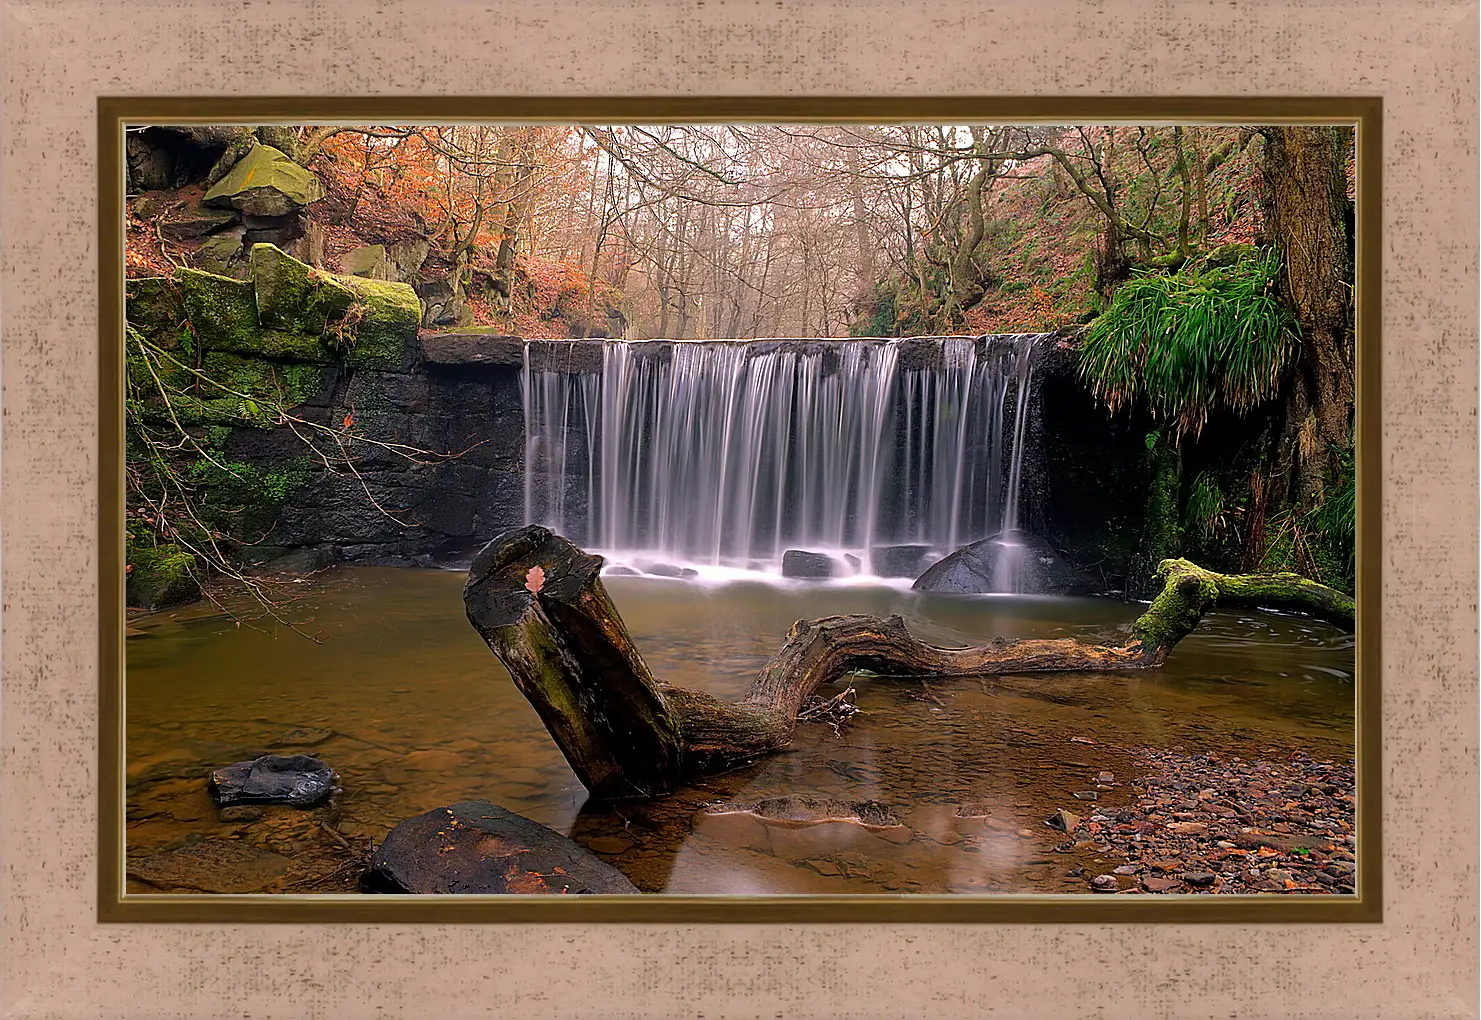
(294, 296)
(380, 329)
(265, 182)
(160, 576)
(223, 317)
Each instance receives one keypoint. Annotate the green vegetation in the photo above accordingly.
(208, 356)
(1191, 342)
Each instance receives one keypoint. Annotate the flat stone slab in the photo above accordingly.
(213, 866)
(476, 847)
(470, 348)
(295, 779)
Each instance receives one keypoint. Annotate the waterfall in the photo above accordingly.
(726, 453)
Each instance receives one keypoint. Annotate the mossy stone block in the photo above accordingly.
(381, 327)
(222, 311)
(293, 296)
(288, 383)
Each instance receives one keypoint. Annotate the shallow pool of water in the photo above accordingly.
(404, 700)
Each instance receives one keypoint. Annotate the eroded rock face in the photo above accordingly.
(1014, 562)
(477, 847)
(296, 779)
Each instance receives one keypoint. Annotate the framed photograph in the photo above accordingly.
(856, 820)
(740, 509)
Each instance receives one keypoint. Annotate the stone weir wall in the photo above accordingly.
(401, 447)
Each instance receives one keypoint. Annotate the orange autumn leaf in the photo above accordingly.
(535, 579)
(349, 420)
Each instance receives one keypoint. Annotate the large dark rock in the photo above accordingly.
(1014, 562)
(802, 564)
(478, 847)
(898, 560)
(296, 779)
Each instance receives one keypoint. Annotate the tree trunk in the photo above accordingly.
(539, 604)
(1306, 215)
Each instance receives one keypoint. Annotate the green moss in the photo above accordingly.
(1187, 591)
(152, 305)
(380, 329)
(287, 383)
(292, 296)
(245, 499)
(160, 575)
(222, 311)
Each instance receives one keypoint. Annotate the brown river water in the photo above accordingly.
(406, 703)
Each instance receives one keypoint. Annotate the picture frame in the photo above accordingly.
(57, 960)
(1364, 115)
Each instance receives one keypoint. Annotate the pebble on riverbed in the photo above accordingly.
(1210, 823)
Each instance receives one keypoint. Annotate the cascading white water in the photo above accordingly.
(728, 453)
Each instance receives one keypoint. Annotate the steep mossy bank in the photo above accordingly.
(209, 356)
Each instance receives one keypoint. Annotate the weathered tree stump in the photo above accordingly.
(539, 603)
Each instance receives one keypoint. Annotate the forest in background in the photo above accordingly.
(1204, 273)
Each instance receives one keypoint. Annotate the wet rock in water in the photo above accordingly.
(273, 779)
(301, 736)
(1127, 869)
(241, 813)
(808, 565)
(1090, 795)
(1064, 821)
(797, 810)
(621, 571)
(1010, 561)
(898, 560)
(803, 809)
(1105, 778)
(610, 845)
(669, 570)
(213, 866)
(1161, 885)
(1104, 884)
(824, 867)
(477, 847)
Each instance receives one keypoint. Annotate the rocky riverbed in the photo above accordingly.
(1216, 823)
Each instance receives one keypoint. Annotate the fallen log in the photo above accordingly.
(539, 603)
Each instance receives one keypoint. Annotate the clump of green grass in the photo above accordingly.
(1192, 342)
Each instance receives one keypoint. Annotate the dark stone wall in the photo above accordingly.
(450, 475)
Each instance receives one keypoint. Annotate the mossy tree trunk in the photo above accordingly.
(539, 604)
(1306, 210)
